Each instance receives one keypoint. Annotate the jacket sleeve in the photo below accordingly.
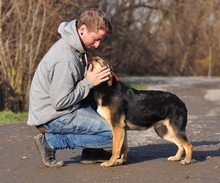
(67, 88)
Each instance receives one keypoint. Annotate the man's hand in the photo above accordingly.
(98, 76)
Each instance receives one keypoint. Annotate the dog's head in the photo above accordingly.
(97, 63)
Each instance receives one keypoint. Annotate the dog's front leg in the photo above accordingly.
(124, 151)
(118, 139)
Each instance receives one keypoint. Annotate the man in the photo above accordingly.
(63, 79)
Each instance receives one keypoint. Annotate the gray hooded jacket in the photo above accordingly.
(59, 83)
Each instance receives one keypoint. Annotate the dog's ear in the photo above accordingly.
(110, 81)
(89, 58)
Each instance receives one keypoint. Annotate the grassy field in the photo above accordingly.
(8, 117)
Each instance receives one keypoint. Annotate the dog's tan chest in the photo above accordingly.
(105, 113)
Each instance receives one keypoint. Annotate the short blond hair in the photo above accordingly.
(94, 20)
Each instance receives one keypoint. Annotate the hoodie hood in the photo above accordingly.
(69, 33)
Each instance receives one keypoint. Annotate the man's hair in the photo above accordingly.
(94, 20)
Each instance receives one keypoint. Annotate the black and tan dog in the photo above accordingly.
(128, 109)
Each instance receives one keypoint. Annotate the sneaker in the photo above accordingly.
(91, 156)
(47, 154)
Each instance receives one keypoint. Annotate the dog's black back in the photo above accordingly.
(142, 109)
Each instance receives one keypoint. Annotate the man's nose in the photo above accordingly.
(97, 43)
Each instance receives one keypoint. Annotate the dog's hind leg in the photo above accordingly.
(183, 146)
(182, 139)
(166, 131)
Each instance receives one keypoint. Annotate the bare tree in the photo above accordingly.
(26, 32)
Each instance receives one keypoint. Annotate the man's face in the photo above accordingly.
(91, 39)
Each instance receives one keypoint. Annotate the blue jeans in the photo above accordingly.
(83, 128)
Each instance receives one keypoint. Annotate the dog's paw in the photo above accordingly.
(119, 162)
(109, 164)
(184, 162)
(173, 158)
(106, 164)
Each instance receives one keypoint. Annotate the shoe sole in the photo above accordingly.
(91, 161)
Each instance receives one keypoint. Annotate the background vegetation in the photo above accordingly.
(8, 117)
(162, 37)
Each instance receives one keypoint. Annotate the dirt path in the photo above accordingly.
(20, 161)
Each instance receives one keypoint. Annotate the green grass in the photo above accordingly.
(137, 86)
(8, 117)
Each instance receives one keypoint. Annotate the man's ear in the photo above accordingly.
(82, 29)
